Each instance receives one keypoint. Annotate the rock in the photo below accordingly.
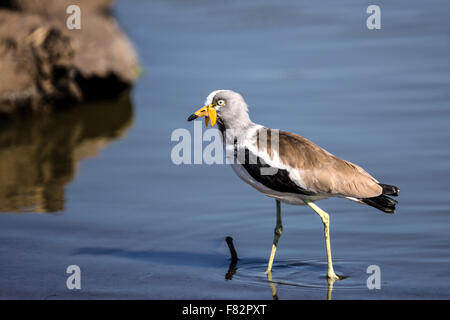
(44, 64)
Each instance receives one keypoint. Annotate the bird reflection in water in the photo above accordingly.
(272, 284)
(234, 259)
(39, 154)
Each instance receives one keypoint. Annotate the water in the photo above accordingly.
(95, 186)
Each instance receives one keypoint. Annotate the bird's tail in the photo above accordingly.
(383, 202)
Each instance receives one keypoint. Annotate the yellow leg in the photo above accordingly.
(272, 286)
(330, 287)
(277, 234)
(326, 223)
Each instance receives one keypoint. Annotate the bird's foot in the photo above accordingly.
(331, 275)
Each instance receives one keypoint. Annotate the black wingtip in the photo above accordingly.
(390, 190)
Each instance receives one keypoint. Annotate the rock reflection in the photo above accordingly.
(39, 155)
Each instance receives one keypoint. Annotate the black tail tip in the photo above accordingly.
(382, 202)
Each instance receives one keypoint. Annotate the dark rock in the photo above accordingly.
(43, 63)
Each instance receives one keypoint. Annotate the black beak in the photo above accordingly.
(192, 117)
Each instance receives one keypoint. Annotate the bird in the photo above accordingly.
(288, 167)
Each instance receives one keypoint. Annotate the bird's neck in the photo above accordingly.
(237, 125)
(232, 132)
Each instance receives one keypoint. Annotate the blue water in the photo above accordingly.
(139, 226)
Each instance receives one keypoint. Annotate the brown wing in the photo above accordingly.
(323, 173)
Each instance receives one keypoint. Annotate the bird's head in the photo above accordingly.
(224, 106)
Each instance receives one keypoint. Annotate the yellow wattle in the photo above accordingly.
(213, 115)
